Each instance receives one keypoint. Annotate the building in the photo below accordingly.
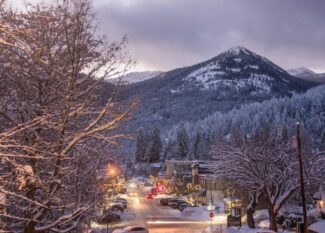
(319, 199)
(178, 168)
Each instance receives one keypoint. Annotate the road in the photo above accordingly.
(157, 218)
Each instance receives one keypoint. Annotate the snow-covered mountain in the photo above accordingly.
(134, 77)
(301, 72)
(307, 74)
(240, 68)
(235, 77)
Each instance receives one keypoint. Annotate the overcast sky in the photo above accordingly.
(166, 34)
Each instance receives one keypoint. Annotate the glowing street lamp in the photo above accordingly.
(111, 170)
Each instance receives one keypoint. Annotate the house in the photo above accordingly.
(319, 199)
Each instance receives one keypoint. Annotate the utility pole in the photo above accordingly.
(301, 171)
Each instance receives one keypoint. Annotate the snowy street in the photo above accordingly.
(159, 219)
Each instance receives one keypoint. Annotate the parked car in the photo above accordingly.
(183, 206)
(175, 203)
(164, 201)
(121, 203)
(135, 229)
(116, 208)
(121, 200)
(108, 217)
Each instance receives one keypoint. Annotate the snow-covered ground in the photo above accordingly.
(202, 214)
(218, 229)
(318, 226)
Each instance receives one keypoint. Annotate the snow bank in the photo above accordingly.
(318, 227)
(127, 216)
(264, 224)
(195, 213)
(218, 229)
(202, 214)
(261, 215)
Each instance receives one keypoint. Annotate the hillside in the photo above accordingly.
(306, 74)
(235, 77)
(134, 77)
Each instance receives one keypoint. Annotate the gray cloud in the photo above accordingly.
(165, 34)
(170, 33)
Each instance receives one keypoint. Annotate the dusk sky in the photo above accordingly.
(166, 34)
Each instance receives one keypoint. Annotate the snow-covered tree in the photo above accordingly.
(154, 146)
(265, 163)
(182, 142)
(196, 145)
(55, 131)
(141, 146)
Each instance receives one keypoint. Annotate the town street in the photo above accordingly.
(157, 218)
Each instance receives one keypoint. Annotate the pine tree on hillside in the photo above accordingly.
(196, 144)
(182, 142)
(154, 146)
(141, 146)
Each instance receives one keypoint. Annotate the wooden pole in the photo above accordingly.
(302, 185)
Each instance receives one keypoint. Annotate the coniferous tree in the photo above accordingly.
(196, 145)
(182, 142)
(154, 147)
(141, 147)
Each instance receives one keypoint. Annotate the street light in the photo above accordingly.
(111, 170)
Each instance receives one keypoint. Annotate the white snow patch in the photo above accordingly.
(134, 77)
(219, 229)
(318, 227)
(174, 91)
(237, 50)
(264, 224)
(234, 70)
(255, 67)
(202, 214)
(258, 81)
(127, 216)
(205, 73)
(261, 215)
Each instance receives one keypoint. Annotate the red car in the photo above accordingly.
(149, 196)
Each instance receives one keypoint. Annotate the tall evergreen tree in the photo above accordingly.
(196, 144)
(154, 146)
(182, 142)
(141, 147)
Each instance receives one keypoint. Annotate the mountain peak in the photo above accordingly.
(135, 77)
(238, 50)
(301, 71)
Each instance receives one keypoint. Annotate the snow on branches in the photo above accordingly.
(265, 163)
(54, 127)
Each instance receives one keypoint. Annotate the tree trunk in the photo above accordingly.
(272, 218)
(250, 218)
(253, 200)
(30, 228)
